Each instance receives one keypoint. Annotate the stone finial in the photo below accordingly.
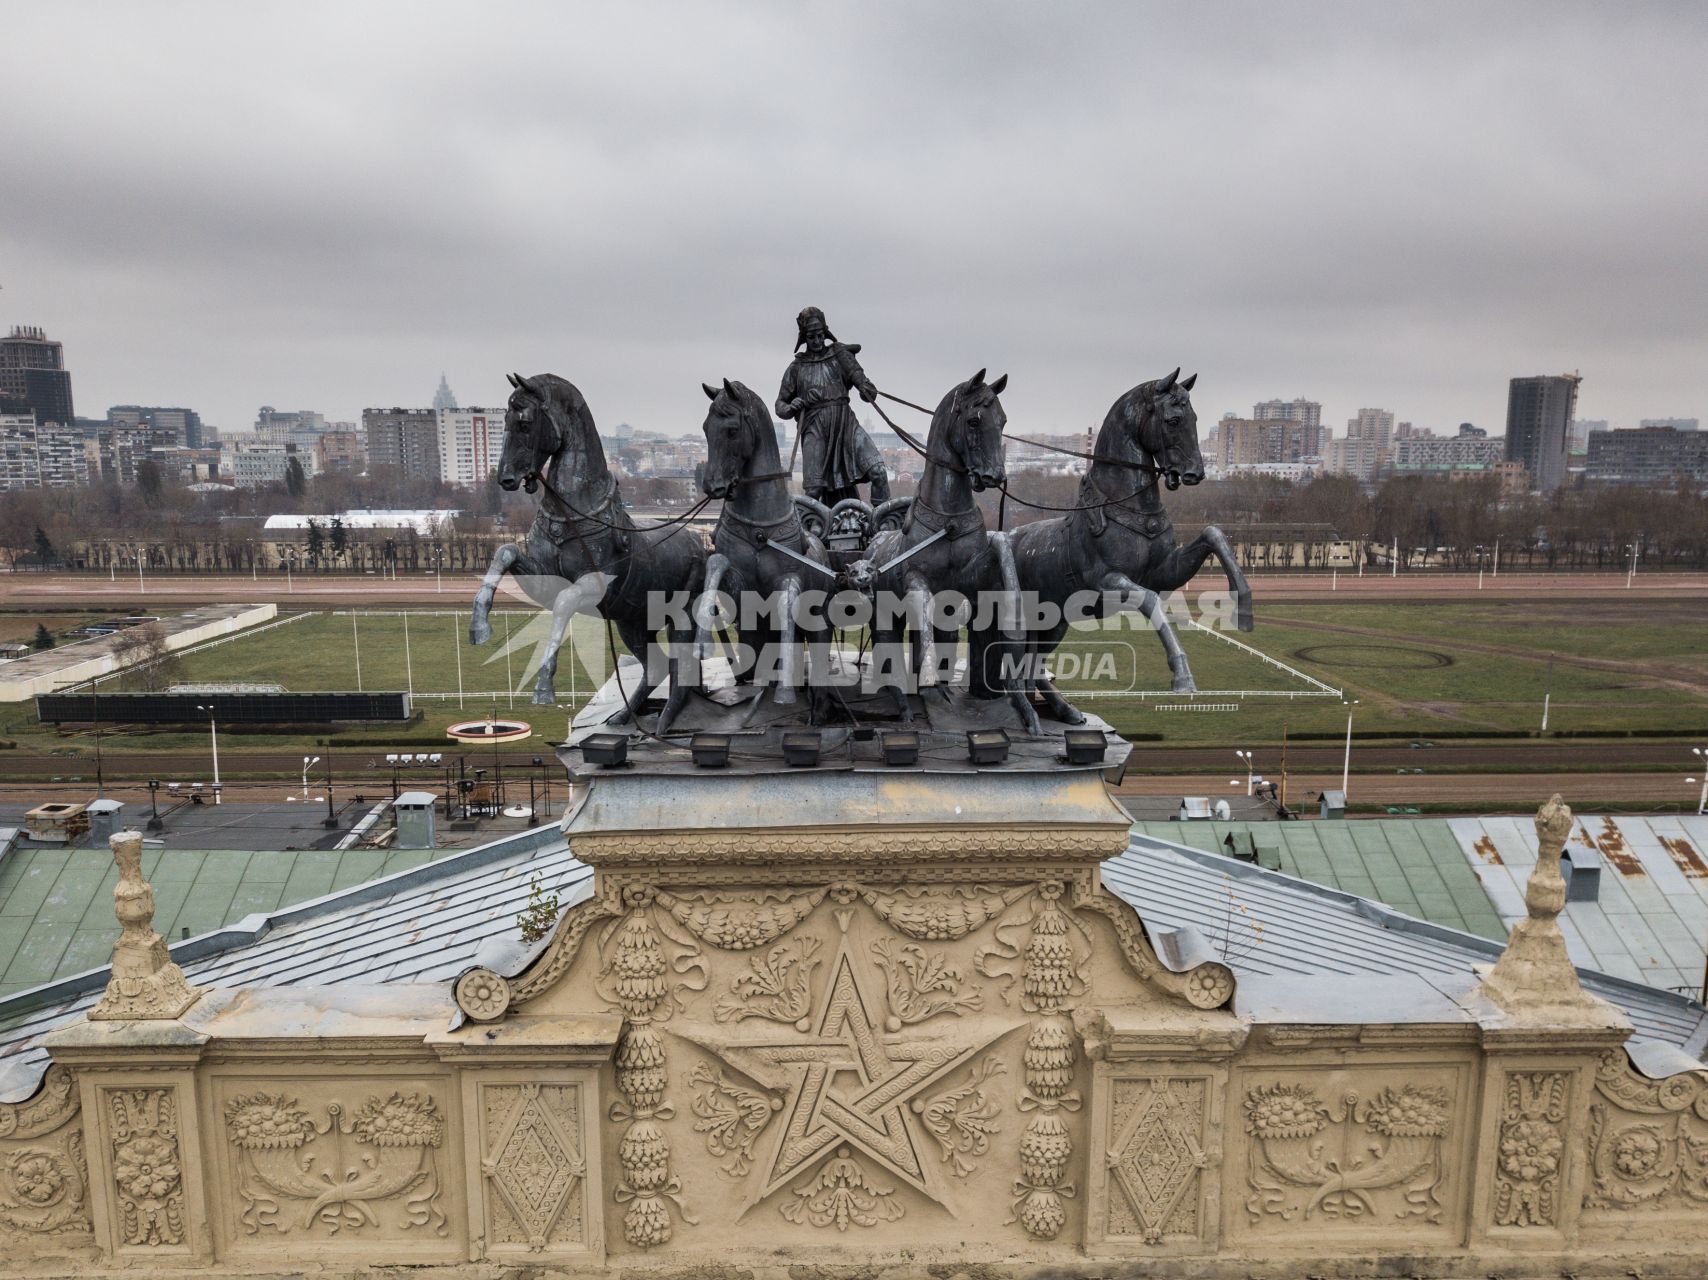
(144, 982)
(1534, 973)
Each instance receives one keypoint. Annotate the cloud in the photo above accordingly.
(326, 205)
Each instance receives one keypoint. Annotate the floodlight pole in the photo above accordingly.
(213, 737)
(1702, 801)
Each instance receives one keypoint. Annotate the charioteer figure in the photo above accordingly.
(837, 455)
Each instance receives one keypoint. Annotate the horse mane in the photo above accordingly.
(562, 393)
(565, 398)
(755, 415)
(1121, 423)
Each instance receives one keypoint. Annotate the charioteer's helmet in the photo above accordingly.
(809, 324)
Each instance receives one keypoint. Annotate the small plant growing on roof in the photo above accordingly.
(538, 917)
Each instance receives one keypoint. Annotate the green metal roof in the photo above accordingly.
(56, 905)
(1414, 865)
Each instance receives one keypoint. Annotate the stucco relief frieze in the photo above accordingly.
(332, 1168)
(1648, 1139)
(1352, 1159)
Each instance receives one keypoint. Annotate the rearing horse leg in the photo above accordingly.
(1018, 692)
(1058, 707)
(717, 564)
(579, 597)
(917, 599)
(503, 561)
(640, 643)
(788, 661)
(1148, 603)
(1177, 569)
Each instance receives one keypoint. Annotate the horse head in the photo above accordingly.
(736, 426)
(1168, 430)
(544, 418)
(968, 426)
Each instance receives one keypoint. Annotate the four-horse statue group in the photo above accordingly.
(927, 567)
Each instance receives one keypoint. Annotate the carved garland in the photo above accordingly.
(1049, 983)
(641, 988)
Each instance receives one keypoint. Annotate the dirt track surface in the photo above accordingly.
(57, 590)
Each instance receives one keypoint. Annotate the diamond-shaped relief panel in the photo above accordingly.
(534, 1166)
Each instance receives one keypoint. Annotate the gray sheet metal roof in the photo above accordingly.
(421, 925)
(1269, 923)
(428, 924)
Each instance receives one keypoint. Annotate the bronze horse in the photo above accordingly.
(1118, 541)
(761, 548)
(943, 546)
(583, 553)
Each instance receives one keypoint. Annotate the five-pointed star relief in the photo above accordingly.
(847, 1081)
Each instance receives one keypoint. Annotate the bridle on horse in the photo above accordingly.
(592, 517)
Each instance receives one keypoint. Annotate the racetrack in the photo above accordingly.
(62, 590)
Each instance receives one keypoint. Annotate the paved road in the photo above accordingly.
(29, 590)
(1659, 758)
(1519, 792)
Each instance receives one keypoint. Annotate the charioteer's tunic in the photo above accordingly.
(836, 452)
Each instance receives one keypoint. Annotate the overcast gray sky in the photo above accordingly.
(324, 205)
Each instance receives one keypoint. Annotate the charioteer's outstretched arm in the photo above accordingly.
(854, 376)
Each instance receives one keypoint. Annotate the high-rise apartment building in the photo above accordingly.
(444, 397)
(339, 447)
(171, 427)
(1309, 412)
(47, 455)
(470, 442)
(33, 378)
(1249, 442)
(406, 439)
(1539, 413)
(1648, 455)
(1367, 448)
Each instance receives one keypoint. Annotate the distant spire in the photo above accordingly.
(444, 397)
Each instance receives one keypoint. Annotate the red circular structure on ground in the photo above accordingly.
(490, 731)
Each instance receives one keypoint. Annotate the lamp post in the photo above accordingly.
(1702, 800)
(306, 762)
(331, 819)
(154, 822)
(1249, 775)
(213, 737)
(1346, 759)
(1632, 571)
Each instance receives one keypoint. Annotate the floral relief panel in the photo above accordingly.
(1341, 1151)
(340, 1161)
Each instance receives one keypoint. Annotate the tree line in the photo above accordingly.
(1433, 520)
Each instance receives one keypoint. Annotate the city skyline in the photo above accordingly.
(1366, 206)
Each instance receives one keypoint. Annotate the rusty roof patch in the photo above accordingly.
(1485, 847)
(1614, 849)
(1684, 854)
